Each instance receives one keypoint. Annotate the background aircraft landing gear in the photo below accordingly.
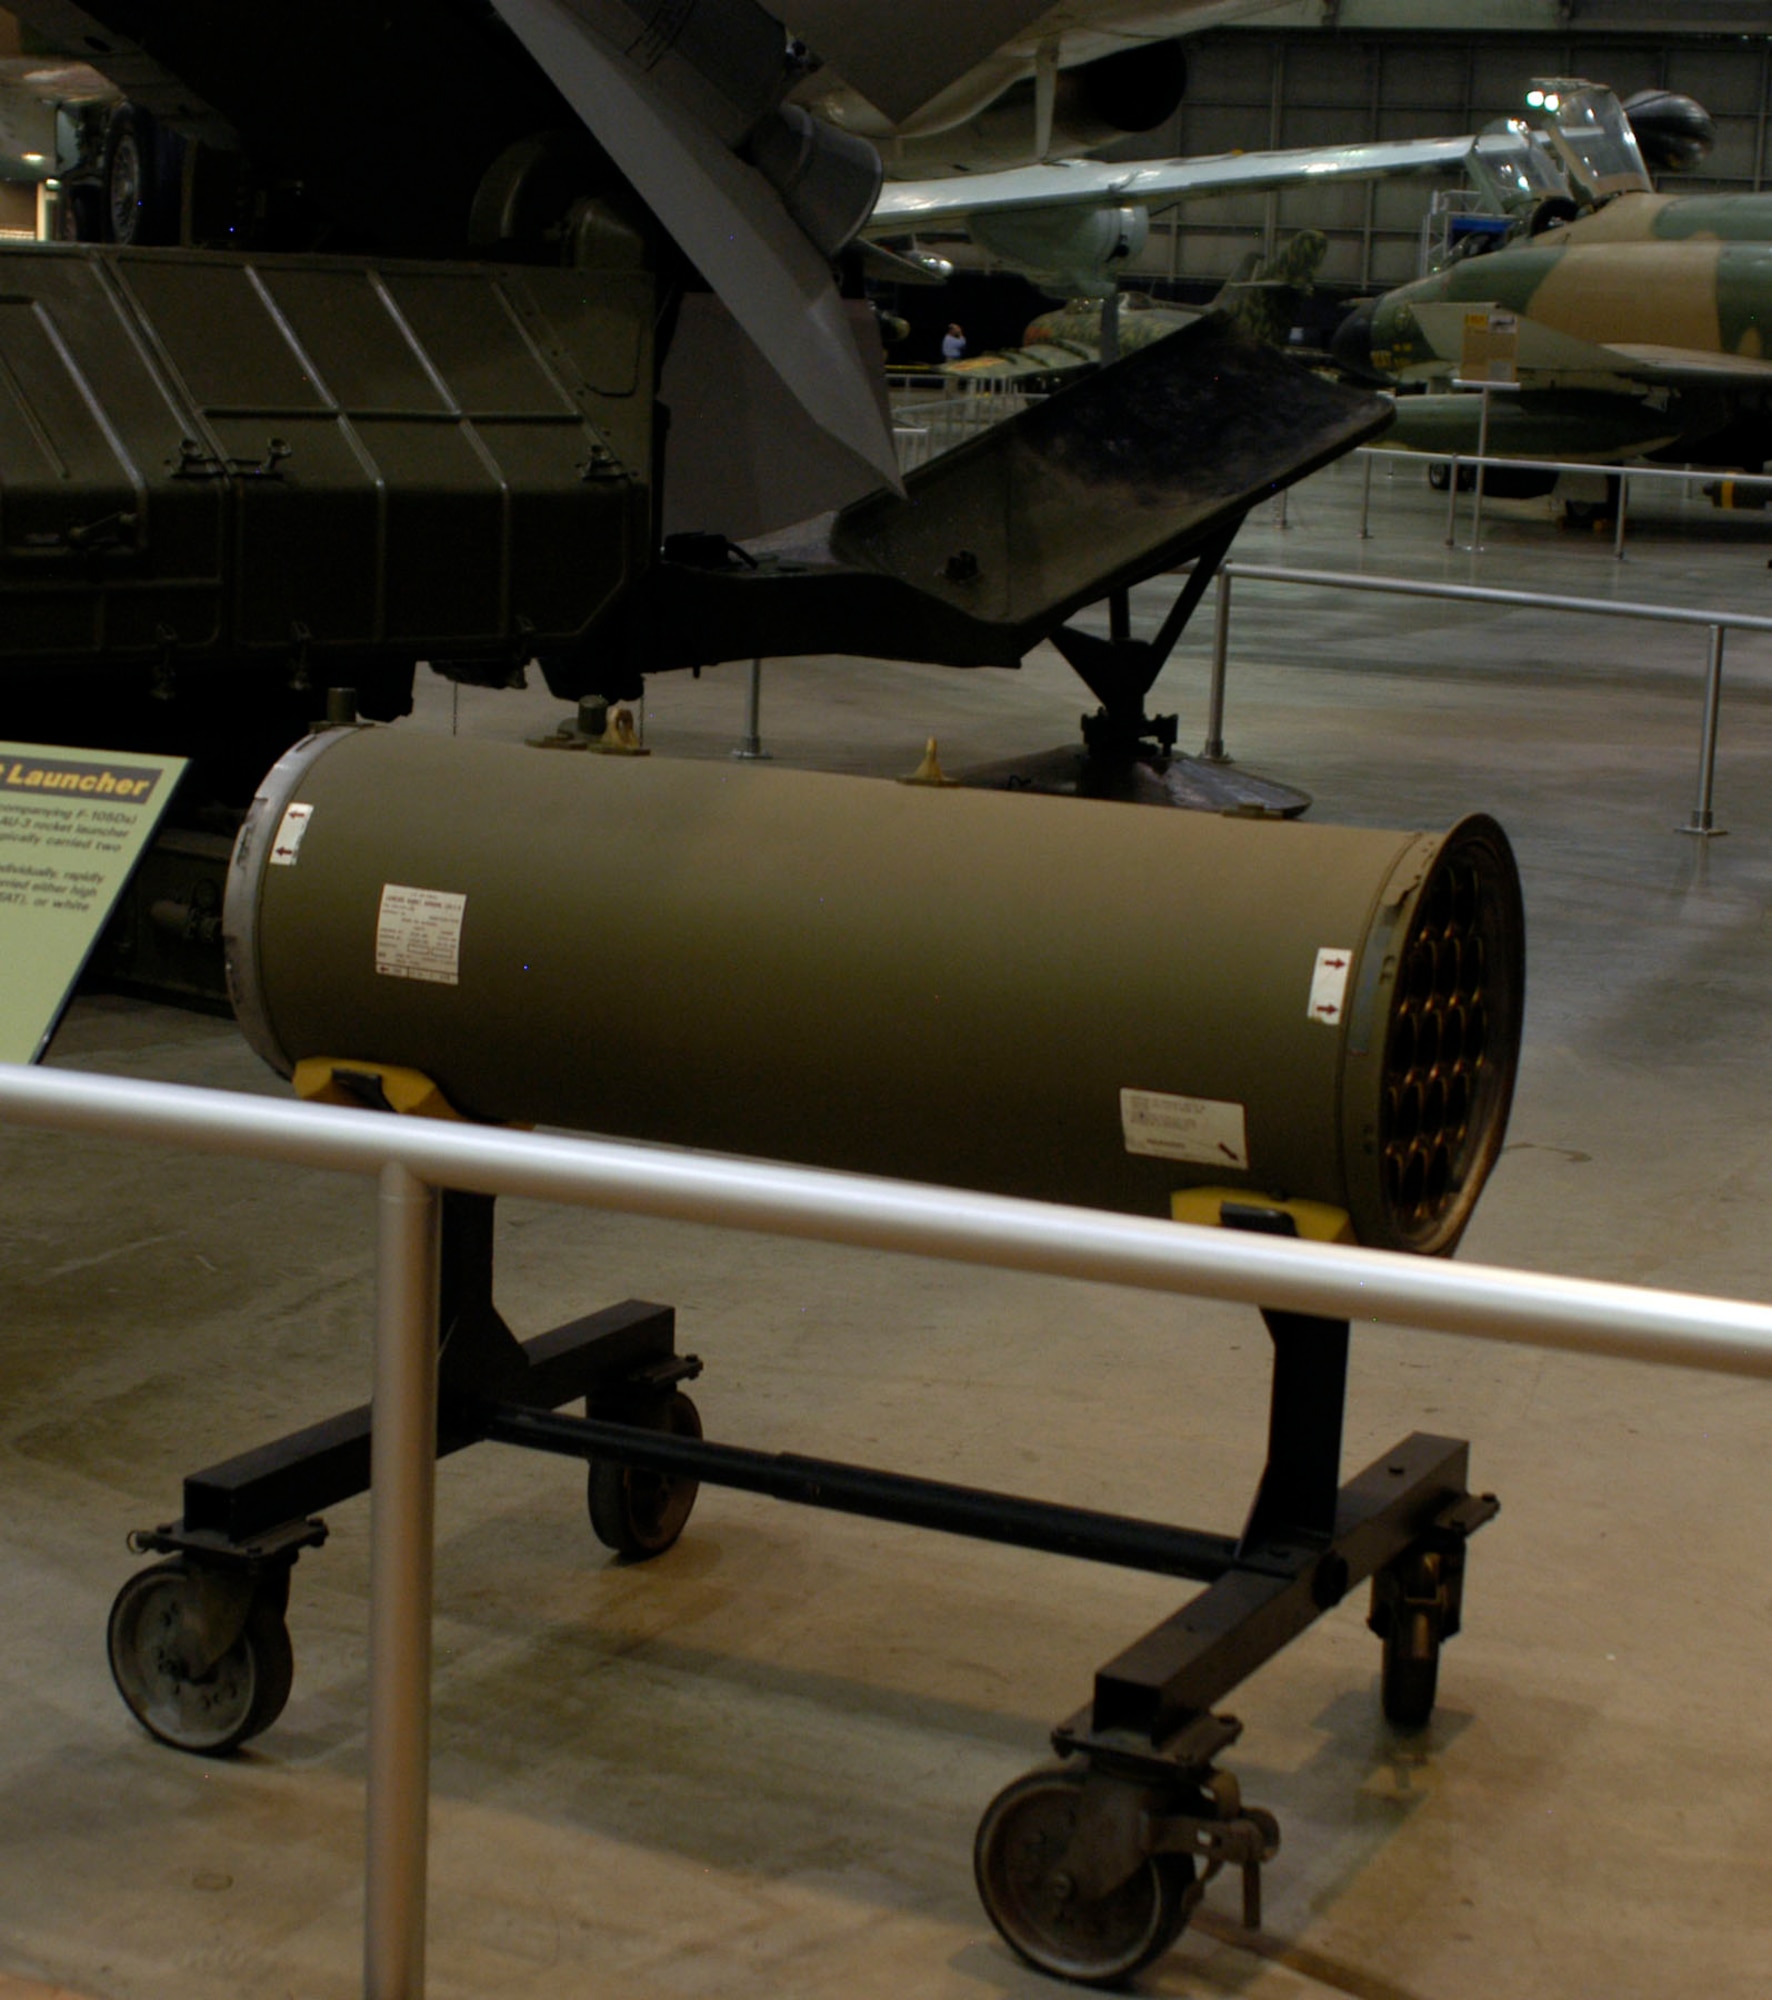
(1592, 507)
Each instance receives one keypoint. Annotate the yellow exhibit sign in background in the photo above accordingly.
(73, 825)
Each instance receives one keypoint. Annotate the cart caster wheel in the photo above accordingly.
(639, 1513)
(1411, 1674)
(1035, 1905)
(201, 1657)
(1410, 1607)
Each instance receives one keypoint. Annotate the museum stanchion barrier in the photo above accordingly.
(1702, 820)
(1455, 462)
(223, 1616)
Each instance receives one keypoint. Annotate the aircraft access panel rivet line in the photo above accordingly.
(1718, 623)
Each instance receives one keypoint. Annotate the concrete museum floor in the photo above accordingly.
(754, 1768)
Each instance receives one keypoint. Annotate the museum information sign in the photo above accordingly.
(73, 825)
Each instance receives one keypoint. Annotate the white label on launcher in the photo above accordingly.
(1204, 1131)
(418, 934)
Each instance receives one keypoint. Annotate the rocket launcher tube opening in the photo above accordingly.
(1450, 997)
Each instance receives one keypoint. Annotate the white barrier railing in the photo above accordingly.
(415, 1158)
(1702, 821)
(923, 427)
(1455, 461)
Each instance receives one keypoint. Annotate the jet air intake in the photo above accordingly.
(1133, 90)
(1057, 998)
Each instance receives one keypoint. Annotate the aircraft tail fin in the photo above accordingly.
(1264, 294)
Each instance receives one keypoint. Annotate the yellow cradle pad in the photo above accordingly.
(1316, 1221)
(326, 1080)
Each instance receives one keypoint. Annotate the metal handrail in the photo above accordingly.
(1483, 593)
(1717, 623)
(1610, 469)
(1577, 1314)
(1453, 460)
(415, 1158)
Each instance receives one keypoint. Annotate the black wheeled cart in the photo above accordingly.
(1090, 1867)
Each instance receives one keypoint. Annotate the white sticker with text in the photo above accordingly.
(418, 934)
(1201, 1130)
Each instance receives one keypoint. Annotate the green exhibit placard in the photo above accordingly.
(73, 825)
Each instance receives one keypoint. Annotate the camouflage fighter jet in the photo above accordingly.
(1263, 298)
(1643, 318)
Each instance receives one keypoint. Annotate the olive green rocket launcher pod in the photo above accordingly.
(1060, 998)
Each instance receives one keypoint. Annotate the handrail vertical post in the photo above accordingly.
(1623, 504)
(750, 749)
(402, 1490)
(1366, 499)
(1482, 470)
(1213, 750)
(1452, 501)
(1703, 821)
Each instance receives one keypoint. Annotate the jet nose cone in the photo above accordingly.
(1352, 345)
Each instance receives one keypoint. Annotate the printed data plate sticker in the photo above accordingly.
(1201, 1130)
(290, 829)
(1329, 984)
(418, 934)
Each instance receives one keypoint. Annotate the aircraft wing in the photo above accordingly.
(905, 206)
